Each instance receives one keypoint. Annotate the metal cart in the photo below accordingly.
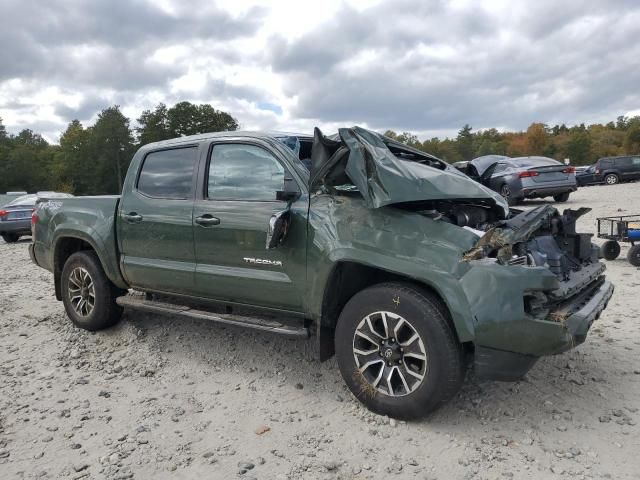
(624, 228)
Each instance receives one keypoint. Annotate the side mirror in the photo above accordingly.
(290, 190)
(278, 228)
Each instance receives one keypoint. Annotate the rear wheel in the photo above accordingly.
(562, 197)
(610, 249)
(10, 237)
(88, 295)
(611, 179)
(634, 255)
(397, 352)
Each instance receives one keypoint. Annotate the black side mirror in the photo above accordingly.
(290, 190)
(278, 228)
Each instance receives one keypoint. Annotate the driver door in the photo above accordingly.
(230, 224)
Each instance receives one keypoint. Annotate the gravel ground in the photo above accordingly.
(157, 397)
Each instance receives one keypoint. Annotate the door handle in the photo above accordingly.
(207, 220)
(132, 217)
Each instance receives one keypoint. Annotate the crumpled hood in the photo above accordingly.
(382, 178)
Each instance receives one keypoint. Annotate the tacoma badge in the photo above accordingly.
(262, 261)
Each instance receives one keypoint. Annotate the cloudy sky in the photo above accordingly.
(410, 65)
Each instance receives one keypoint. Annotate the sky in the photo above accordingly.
(423, 66)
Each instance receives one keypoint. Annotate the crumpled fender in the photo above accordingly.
(394, 240)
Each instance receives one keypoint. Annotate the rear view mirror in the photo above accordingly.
(278, 228)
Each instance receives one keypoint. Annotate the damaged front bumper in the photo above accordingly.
(564, 328)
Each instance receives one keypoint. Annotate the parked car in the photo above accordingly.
(390, 258)
(524, 177)
(7, 197)
(612, 170)
(586, 175)
(15, 217)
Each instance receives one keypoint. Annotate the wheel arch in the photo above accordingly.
(68, 244)
(348, 278)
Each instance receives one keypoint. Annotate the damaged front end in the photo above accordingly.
(559, 312)
(518, 284)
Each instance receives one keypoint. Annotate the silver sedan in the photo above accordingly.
(525, 177)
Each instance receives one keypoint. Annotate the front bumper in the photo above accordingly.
(579, 314)
(564, 328)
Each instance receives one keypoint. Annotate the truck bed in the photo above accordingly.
(89, 219)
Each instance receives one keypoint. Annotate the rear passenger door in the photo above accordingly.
(231, 219)
(155, 230)
(625, 167)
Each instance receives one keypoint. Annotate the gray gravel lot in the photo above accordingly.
(157, 397)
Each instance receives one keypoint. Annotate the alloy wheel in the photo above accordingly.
(389, 353)
(82, 294)
(611, 179)
(505, 191)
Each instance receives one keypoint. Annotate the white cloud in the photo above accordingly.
(423, 66)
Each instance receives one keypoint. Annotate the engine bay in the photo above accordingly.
(540, 237)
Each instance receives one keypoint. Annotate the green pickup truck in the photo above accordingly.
(396, 263)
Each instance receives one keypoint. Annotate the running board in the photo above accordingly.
(138, 302)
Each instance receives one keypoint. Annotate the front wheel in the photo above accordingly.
(634, 255)
(505, 191)
(562, 197)
(397, 352)
(10, 237)
(88, 295)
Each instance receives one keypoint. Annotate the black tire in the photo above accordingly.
(105, 312)
(611, 179)
(428, 317)
(10, 237)
(610, 249)
(562, 197)
(634, 255)
(507, 194)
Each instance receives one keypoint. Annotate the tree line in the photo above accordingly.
(93, 160)
(581, 144)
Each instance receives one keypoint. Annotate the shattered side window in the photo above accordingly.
(293, 143)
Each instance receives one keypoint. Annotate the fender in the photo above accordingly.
(108, 256)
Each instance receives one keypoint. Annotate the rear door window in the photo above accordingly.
(168, 173)
(623, 162)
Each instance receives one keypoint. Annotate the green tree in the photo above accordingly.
(212, 120)
(579, 147)
(154, 125)
(28, 163)
(185, 118)
(464, 143)
(70, 169)
(111, 149)
(632, 139)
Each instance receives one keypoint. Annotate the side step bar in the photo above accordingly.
(138, 302)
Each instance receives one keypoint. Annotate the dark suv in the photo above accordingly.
(612, 170)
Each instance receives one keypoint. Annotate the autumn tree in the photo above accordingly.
(537, 139)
